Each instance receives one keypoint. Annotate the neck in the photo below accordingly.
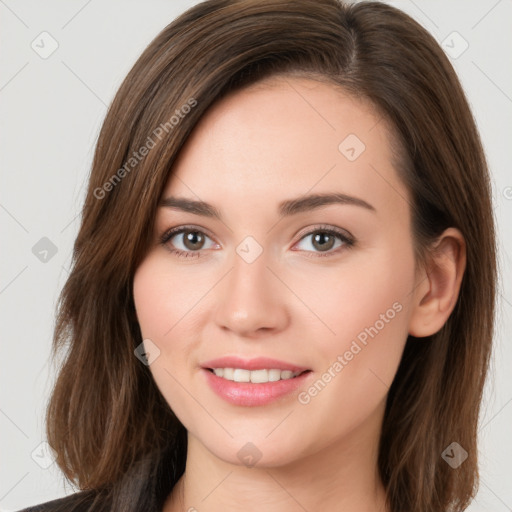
(342, 476)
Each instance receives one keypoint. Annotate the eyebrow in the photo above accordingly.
(286, 208)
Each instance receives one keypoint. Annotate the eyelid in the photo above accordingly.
(169, 233)
(343, 233)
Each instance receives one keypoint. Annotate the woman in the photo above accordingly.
(283, 285)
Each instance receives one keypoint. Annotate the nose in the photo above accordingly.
(251, 300)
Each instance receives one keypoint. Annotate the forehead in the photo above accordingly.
(281, 138)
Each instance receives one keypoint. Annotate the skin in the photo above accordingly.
(273, 141)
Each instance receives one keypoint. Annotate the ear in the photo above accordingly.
(438, 284)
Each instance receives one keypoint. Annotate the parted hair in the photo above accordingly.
(106, 417)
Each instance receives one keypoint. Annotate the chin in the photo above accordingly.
(258, 452)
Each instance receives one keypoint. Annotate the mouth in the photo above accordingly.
(254, 382)
(261, 376)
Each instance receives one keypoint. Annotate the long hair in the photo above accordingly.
(106, 415)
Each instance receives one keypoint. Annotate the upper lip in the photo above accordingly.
(257, 363)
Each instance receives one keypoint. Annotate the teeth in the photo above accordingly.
(254, 376)
(274, 375)
(258, 376)
(228, 373)
(241, 375)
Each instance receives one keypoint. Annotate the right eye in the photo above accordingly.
(186, 242)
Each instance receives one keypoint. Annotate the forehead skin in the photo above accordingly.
(286, 137)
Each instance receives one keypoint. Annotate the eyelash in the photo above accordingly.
(347, 241)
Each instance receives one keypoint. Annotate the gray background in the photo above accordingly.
(51, 110)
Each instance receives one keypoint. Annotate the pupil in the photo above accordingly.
(321, 241)
(193, 240)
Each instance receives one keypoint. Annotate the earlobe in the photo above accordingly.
(437, 287)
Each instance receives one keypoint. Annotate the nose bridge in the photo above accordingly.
(251, 299)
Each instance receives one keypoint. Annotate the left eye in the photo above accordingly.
(323, 241)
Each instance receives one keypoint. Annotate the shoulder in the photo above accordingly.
(77, 502)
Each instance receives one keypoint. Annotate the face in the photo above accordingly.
(270, 282)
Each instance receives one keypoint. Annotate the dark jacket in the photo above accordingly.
(144, 488)
(78, 502)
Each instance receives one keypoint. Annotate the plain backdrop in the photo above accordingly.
(60, 65)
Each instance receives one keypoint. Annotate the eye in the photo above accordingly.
(326, 240)
(187, 241)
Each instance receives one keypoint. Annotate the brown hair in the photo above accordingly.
(106, 415)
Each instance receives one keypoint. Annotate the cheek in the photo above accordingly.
(370, 290)
(368, 311)
(165, 299)
(164, 304)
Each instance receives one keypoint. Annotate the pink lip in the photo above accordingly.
(258, 363)
(247, 393)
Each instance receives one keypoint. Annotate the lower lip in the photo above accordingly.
(250, 394)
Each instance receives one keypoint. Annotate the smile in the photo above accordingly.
(254, 376)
